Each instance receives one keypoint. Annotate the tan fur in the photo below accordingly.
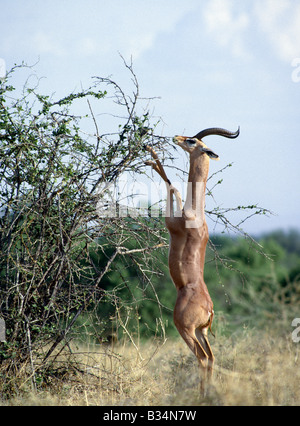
(193, 312)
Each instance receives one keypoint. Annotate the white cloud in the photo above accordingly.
(91, 27)
(132, 31)
(227, 26)
(280, 20)
(229, 23)
(87, 46)
(140, 44)
(43, 42)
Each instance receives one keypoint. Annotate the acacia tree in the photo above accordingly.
(53, 176)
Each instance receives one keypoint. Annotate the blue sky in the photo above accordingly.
(217, 63)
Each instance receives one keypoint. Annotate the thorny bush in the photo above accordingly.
(53, 174)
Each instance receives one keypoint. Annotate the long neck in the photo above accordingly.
(199, 166)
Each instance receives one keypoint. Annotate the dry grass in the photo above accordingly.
(253, 368)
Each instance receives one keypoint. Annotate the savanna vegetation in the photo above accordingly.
(86, 295)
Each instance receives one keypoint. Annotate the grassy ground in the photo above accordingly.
(252, 368)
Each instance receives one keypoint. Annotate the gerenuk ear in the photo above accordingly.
(210, 153)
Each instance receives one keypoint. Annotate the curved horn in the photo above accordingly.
(217, 131)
